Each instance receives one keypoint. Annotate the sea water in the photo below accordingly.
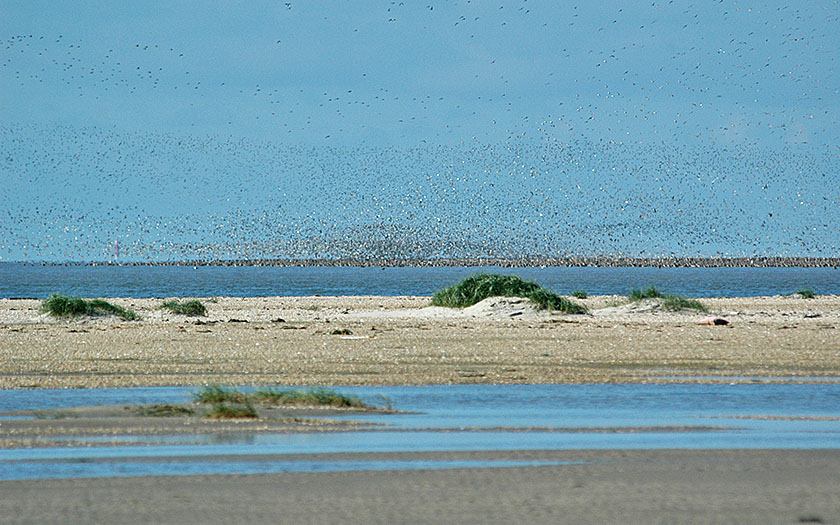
(36, 281)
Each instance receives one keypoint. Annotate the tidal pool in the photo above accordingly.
(451, 418)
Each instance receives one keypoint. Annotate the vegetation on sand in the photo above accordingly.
(648, 293)
(805, 293)
(63, 306)
(218, 394)
(224, 411)
(676, 303)
(478, 287)
(164, 411)
(580, 294)
(192, 307)
(309, 396)
(669, 302)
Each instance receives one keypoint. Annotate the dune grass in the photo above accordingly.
(675, 303)
(309, 396)
(164, 411)
(580, 294)
(59, 305)
(805, 293)
(476, 288)
(218, 394)
(317, 396)
(225, 411)
(669, 302)
(192, 307)
(648, 293)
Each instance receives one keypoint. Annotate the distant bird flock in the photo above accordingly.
(429, 132)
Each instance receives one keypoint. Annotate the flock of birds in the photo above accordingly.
(663, 129)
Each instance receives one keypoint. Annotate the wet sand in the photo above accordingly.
(401, 341)
(664, 486)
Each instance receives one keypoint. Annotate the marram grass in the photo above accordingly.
(670, 302)
(63, 306)
(476, 288)
(218, 394)
(309, 396)
(223, 411)
(192, 307)
(317, 396)
(648, 293)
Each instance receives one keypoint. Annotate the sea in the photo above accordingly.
(26, 280)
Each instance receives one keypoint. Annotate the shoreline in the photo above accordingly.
(378, 340)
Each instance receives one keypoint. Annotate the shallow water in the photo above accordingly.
(134, 468)
(456, 418)
(19, 280)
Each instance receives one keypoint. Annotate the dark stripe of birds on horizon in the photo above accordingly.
(525, 262)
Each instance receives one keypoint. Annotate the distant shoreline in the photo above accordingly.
(592, 261)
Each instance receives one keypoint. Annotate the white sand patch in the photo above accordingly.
(506, 308)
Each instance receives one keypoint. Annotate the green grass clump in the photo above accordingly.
(648, 293)
(319, 396)
(580, 294)
(476, 288)
(218, 394)
(805, 293)
(164, 411)
(670, 302)
(193, 307)
(309, 396)
(676, 303)
(63, 306)
(223, 411)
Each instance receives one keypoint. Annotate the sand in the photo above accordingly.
(663, 486)
(402, 341)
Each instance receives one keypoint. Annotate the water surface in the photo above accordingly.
(20, 280)
(453, 418)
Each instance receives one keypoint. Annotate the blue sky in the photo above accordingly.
(239, 129)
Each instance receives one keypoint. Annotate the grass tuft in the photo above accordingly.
(648, 293)
(63, 306)
(318, 396)
(580, 294)
(164, 411)
(805, 293)
(193, 307)
(670, 302)
(310, 396)
(223, 411)
(676, 303)
(218, 394)
(476, 288)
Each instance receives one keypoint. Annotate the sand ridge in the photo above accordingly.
(369, 340)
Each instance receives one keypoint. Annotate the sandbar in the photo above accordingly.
(373, 340)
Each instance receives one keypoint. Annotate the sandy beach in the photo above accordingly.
(376, 340)
(402, 341)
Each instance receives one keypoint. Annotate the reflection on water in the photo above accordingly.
(134, 468)
(467, 418)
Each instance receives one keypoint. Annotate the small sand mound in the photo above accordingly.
(505, 308)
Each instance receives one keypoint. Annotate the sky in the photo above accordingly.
(202, 130)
